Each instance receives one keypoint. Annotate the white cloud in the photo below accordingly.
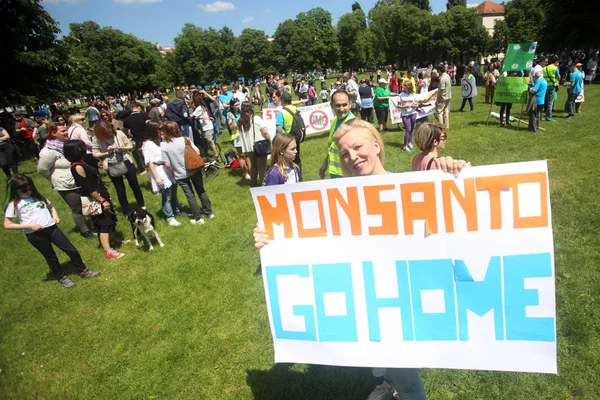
(217, 6)
(472, 5)
(62, 1)
(248, 19)
(135, 1)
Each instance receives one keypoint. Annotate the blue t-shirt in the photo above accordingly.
(93, 114)
(541, 86)
(224, 98)
(577, 78)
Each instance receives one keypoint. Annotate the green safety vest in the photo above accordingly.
(288, 118)
(335, 168)
(550, 74)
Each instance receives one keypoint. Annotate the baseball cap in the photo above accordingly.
(382, 81)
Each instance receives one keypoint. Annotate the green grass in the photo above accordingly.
(189, 321)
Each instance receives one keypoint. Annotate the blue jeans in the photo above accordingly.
(406, 382)
(170, 203)
(217, 128)
(571, 103)
(186, 131)
(549, 101)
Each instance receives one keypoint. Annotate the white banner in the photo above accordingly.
(413, 270)
(469, 87)
(428, 101)
(317, 118)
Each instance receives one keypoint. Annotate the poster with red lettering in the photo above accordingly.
(413, 270)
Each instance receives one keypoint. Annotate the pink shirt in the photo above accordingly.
(420, 162)
(78, 132)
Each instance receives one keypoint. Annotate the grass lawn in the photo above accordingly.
(188, 321)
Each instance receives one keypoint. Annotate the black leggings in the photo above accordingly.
(8, 150)
(464, 102)
(133, 184)
(42, 240)
(505, 107)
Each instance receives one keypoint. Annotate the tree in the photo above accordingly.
(461, 34)
(32, 59)
(422, 4)
(402, 31)
(353, 41)
(565, 29)
(356, 6)
(454, 3)
(256, 53)
(108, 61)
(500, 38)
(525, 20)
(307, 43)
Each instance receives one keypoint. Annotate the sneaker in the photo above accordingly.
(570, 117)
(198, 221)
(407, 149)
(112, 253)
(211, 216)
(410, 146)
(66, 282)
(89, 235)
(174, 222)
(550, 120)
(88, 273)
(508, 123)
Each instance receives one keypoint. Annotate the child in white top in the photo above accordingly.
(38, 218)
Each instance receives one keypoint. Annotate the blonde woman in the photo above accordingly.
(362, 154)
(408, 110)
(77, 131)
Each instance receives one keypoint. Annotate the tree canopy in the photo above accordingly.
(101, 60)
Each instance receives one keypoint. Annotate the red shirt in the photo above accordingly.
(394, 83)
(26, 133)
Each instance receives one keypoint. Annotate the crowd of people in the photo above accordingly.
(127, 139)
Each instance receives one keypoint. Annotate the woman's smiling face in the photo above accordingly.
(359, 152)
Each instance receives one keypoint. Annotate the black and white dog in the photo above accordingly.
(142, 222)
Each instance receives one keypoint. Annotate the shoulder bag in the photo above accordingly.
(192, 159)
(116, 163)
(90, 207)
(262, 147)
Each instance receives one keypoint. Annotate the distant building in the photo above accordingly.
(163, 50)
(490, 12)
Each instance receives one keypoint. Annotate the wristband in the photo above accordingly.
(103, 201)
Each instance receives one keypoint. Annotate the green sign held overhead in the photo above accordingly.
(519, 56)
(511, 89)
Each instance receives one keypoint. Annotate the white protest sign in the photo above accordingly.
(581, 97)
(468, 87)
(428, 101)
(413, 270)
(316, 118)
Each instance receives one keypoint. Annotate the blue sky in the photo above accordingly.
(161, 20)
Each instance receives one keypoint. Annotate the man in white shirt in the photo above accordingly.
(539, 67)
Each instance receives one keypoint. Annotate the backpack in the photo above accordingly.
(311, 92)
(298, 129)
(230, 157)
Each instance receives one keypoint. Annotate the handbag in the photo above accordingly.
(192, 159)
(262, 147)
(90, 207)
(116, 164)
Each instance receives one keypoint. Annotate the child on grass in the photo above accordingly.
(283, 170)
(38, 218)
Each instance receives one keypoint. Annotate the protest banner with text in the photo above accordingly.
(413, 269)
(511, 89)
(316, 118)
(426, 107)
